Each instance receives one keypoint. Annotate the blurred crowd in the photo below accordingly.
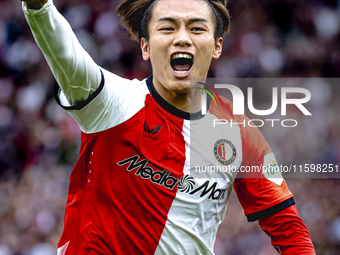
(39, 142)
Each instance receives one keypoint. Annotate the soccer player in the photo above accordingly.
(131, 190)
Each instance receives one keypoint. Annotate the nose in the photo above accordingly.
(182, 39)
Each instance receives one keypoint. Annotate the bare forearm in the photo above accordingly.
(73, 68)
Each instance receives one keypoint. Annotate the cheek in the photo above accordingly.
(158, 52)
(207, 46)
(207, 54)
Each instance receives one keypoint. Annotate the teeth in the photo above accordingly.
(181, 72)
(181, 55)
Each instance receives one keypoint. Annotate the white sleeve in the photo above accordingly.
(115, 101)
(75, 71)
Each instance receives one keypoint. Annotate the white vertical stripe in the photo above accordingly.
(193, 220)
(181, 234)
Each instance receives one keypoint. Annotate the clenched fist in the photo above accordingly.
(34, 4)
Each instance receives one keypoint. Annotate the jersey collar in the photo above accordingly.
(170, 108)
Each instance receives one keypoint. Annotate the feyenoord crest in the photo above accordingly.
(225, 152)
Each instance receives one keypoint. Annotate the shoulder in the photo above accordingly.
(253, 142)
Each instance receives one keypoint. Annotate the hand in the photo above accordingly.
(34, 4)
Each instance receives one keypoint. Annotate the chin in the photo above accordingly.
(180, 86)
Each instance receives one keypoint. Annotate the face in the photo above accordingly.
(181, 43)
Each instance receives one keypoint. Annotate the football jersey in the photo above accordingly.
(133, 189)
(141, 184)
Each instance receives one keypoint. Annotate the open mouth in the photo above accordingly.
(181, 63)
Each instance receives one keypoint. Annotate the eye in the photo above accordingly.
(197, 29)
(167, 29)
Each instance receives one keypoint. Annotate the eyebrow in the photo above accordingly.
(189, 21)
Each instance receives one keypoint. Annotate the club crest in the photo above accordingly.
(225, 152)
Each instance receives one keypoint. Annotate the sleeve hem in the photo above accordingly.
(80, 105)
(271, 210)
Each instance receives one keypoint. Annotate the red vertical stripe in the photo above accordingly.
(114, 210)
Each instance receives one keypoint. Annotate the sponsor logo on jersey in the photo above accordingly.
(158, 177)
(225, 152)
(187, 183)
(212, 191)
(149, 133)
(163, 178)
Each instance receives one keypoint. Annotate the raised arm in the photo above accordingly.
(75, 71)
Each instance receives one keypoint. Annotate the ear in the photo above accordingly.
(145, 49)
(218, 49)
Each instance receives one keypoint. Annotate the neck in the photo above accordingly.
(184, 101)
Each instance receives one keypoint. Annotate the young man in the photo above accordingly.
(131, 190)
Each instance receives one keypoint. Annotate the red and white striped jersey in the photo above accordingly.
(135, 187)
(133, 190)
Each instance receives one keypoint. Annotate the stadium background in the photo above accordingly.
(39, 142)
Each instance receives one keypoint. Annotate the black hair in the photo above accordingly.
(136, 15)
